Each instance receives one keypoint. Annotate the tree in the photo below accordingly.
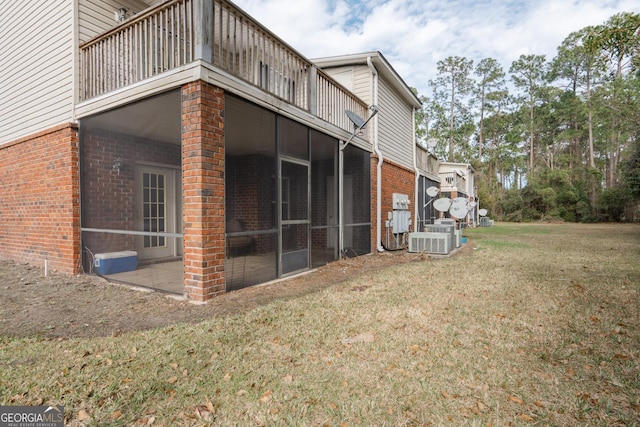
(618, 42)
(579, 65)
(529, 75)
(451, 87)
(567, 145)
(490, 91)
(422, 117)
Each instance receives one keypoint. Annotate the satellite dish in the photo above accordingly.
(483, 212)
(443, 204)
(432, 142)
(459, 201)
(472, 204)
(432, 191)
(355, 119)
(458, 211)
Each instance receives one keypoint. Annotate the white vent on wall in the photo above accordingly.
(432, 243)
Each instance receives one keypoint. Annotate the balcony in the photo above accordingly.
(453, 181)
(179, 32)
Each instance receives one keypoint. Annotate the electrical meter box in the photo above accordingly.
(400, 202)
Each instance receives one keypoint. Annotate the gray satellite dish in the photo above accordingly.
(443, 204)
(483, 212)
(432, 191)
(459, 201)
(472, 204)
(458, 211)
(432, 142)
(355, 119)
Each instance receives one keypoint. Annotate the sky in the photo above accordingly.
(414, 35)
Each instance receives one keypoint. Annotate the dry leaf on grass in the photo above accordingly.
(266, 396)
(525, 417)
(448, 396)
(516, 399)
(83, 415)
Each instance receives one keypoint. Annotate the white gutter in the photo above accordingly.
(376, 149)
(415, 168)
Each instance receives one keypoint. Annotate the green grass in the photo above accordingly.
(539, 325)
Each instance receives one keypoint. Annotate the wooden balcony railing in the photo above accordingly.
(451, 180)
(178, 32)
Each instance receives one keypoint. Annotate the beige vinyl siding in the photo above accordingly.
(357, 79)
(97, 16)
(36, 66)
(362, 83)
(394, 134)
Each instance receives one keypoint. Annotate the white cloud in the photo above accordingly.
(415, 34)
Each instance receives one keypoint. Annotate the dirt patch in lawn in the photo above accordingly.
(62, 306)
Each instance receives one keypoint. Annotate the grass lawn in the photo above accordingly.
(538, 325)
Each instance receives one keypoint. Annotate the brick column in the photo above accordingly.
(203, 190)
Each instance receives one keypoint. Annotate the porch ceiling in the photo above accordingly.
(157, 118)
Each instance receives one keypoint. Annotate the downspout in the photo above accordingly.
(75, 60)
(415, 168)
(376, 149)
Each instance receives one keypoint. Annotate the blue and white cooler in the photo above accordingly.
(115, 262)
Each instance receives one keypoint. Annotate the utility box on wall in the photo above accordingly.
(401, 217)
(401, 222)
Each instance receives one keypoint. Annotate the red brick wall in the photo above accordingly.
(39, 199)
(203, 190)
(395, 179)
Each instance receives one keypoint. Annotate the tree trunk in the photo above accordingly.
(531, 136)
(451, 111)
(592, 163)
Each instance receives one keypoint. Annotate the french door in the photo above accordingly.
(157, 211)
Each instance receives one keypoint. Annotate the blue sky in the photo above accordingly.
(415, 34)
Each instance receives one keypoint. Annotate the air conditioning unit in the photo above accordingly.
(449, 229)
(486, 222)
(431, 243)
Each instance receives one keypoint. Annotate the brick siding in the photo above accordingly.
(395, 179)
(39, 199)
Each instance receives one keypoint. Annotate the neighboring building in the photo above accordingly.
(392, 134)
(192, 135)
(429, 182)
(458, 180)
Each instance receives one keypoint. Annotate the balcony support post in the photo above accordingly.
(312, 95)
(203, 30)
